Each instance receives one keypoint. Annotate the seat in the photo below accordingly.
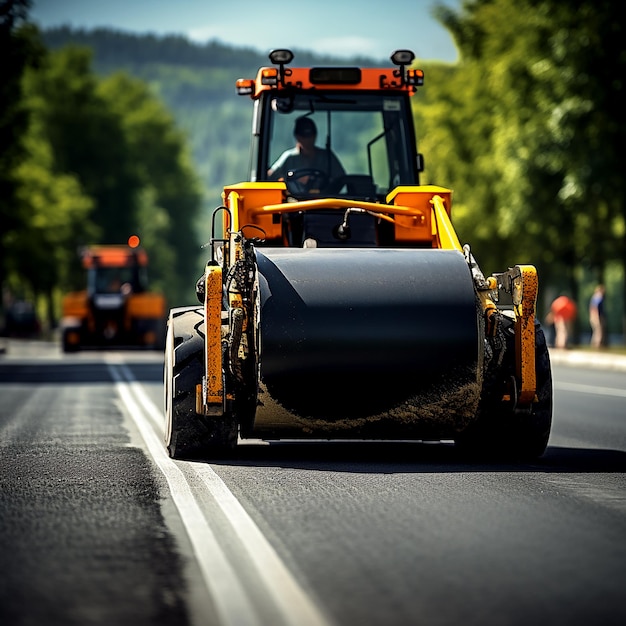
(355, 185)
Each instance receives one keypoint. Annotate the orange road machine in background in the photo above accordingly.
(337, 301)
(116, 308)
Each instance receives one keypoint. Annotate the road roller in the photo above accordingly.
(117, 308)
(337, 300)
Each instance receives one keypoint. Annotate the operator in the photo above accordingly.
(305, 154)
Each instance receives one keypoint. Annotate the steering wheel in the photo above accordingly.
(306, 180)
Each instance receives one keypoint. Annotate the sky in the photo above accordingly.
(341, 28)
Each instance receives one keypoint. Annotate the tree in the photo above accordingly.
(552, 80)
(171, 196)
(87, 139)
(48, 209)
(43, 251)
(18, 49)
(454, 120)
(128, 163)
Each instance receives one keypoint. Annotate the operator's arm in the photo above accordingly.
(280, 166)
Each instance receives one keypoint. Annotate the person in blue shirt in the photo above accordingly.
(597, 318)
(306, 155)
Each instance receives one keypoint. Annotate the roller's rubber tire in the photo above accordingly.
(501, 434)
(189, 435)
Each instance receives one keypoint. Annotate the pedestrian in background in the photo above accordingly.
(562, 314)
(597, 318)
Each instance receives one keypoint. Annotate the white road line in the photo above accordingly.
(288, 597)
(592, 389)
(155, 416)
(231, 601)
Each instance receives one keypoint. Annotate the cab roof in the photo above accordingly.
(336, 78)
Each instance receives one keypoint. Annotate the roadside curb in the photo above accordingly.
(600, 360)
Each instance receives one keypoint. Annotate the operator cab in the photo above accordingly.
(113, 274)
(362, 117)
(366, 132)
(364, 142)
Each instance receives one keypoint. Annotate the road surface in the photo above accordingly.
(98, 526)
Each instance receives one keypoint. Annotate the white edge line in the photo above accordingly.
(153, 414)
(231, 601)
(288, 596)
(285, 591)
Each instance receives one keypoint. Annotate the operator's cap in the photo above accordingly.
(305, 127)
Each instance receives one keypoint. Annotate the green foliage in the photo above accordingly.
(99, 159)
(171, 193)
(534, 127)
(455, 132)
(19, 48)
(87, 138)
(55, 211)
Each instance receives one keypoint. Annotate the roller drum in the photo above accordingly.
(369, 339)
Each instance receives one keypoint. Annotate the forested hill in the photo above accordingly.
(197, 83)
(114, 49)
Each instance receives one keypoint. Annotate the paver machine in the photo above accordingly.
(116, 308)
(344, 306)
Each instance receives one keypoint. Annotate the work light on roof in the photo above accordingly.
(402, 57)
(281, 56)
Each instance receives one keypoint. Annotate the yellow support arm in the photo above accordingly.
(445, 234)
(211, 400)
(525, 285)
